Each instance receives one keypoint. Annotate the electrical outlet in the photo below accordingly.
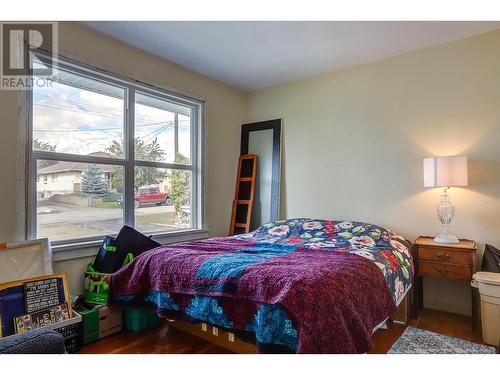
(204, 327)
(215, 331)
(231, 337)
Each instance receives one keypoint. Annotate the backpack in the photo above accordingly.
(116, 252)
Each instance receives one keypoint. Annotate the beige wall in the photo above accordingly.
(353, 139)
(354, 142)
(8, 163)
(224, 115)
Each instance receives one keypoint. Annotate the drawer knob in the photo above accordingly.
(441, 270)
(439, 255)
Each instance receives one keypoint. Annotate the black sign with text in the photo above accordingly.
(41, 294)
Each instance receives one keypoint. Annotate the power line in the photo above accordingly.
(147, 137)
(70, 109)
(96, 109)
(114, 116)
(92, 130)
(105, 129)
(70, 102)
(150, 136)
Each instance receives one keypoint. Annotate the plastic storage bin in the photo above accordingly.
(489, 290)
(90, 324)
(139, 320)
(99, 321)
(72, 331)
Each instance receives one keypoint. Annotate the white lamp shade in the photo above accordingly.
(446, 171)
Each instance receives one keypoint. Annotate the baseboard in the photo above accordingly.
(439, 305)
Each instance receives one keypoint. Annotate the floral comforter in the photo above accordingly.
(388, 250)
(280, 285)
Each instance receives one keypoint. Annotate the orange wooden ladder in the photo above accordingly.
(241, 216)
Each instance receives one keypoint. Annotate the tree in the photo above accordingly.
(148, 176)
(93, 183)
(143, 175)
(44, 146)
(180, 191)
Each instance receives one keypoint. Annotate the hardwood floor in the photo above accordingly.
(431, 320)
(163, 339)
(166, 339)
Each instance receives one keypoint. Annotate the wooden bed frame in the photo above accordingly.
(230, 341)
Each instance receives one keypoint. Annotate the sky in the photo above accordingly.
(80, 122)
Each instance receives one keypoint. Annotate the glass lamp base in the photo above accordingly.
(446, 238)
(446, 212)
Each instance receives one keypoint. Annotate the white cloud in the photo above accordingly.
(64, 116)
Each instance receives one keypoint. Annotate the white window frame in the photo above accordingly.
(128, 163)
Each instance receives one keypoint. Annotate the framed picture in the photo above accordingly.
(29, 303)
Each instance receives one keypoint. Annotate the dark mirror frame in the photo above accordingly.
(275, 125)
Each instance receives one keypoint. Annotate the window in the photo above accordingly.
(106, 152)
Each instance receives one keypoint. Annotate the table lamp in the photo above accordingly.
(445, 172)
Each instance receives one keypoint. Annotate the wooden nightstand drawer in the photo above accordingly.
(444, 261)
(443, 254)
(444, 270)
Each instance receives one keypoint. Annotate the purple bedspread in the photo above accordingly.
(336, 297)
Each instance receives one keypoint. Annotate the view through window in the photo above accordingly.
(81, 155)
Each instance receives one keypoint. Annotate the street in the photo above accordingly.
(60, 221)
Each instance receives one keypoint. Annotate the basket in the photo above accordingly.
(72, 331)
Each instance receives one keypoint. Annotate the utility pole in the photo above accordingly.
(176, 134)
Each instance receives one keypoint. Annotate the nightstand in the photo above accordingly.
(444, 261)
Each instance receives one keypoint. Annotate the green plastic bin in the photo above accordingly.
(139, 320)
(90, 325)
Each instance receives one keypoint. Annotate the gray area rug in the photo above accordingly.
(418, 341)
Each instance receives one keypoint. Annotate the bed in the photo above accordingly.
(300, 285)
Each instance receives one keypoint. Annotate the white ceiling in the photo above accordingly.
(255, 55)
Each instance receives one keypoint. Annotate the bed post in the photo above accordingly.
(402, 316)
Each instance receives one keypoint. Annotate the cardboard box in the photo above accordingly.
(99, 322)
(110, 321)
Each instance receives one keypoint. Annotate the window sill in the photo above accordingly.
(90, 249)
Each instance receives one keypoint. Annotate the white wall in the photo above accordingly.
(224, 116)
(354, 142)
